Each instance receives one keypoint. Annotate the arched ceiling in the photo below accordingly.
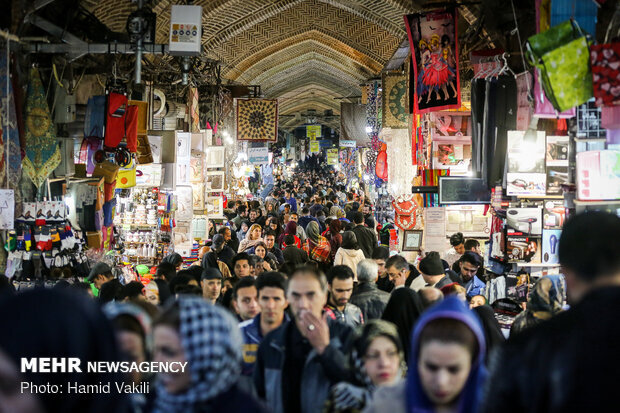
(318, 50)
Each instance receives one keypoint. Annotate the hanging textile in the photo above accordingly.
(395, 98)
(42, 152)
(193, 110)
(606, 73)
(400, 171)
(434, 45)
(353, 123)
(257, 120)
(9, 138)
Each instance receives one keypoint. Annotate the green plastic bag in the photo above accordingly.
(562, 56)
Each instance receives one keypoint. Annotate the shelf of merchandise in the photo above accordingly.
(607, 202)
(556, 197)
(536, 265)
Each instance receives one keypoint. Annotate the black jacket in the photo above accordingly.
(370, 300)
(366, 239)
(295, 255)
(278, 254)
(319, 374)
(226, 255)
(566, 364)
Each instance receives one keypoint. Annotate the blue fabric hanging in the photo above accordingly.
(583, 11)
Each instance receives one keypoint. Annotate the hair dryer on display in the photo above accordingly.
(553, 242)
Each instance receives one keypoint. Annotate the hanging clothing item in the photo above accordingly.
(9, 136)
(131, 128)
(95, 116)
(42, 151)
(477, 118)
(116, 113)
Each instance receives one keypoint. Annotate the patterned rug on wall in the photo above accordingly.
(257, 120)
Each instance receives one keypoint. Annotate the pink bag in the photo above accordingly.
(543, 107)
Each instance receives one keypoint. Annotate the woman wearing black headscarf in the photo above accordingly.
(174, 259)
(403, 309)
(57, 323)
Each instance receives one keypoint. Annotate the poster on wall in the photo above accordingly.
(214, 207)
(557, 163)
(185, 211)
(196, 165)
(7, 208)
(526, 164)
(257, 120)
(433, 40)
(215, 156)
(332, 156)
(214, 181)
(313, 131)
(198, 197)
(315, 147)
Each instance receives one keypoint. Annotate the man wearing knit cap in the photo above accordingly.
(211, 283)
(433, 271)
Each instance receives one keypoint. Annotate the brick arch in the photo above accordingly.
(296, 46)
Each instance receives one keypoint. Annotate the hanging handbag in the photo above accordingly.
(127, 176)
(562, 58)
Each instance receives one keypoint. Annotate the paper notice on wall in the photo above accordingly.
(435, 229)
(7, 208)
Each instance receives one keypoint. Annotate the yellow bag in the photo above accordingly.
(127, 176)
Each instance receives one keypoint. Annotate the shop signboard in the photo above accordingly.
(347, 144)
(258, 156)
(315, 146)
(332, 156)
(313, 131)
(325, 143)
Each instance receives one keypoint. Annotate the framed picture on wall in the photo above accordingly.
(412, 240)
(214, 181)
(214, 207)
(215, 156)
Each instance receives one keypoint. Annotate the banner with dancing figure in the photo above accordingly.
(434, 51)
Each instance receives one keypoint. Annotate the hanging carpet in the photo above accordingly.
(257, 120)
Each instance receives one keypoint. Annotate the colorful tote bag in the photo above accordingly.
(605, 60)
(562, 58)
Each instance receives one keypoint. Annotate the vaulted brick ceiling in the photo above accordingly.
(311, 51)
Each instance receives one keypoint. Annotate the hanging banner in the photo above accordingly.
(433, 42)
(313, 131)
(315, 147)
(258, 156)
(332, 156)
(347, 144)
(395, 101)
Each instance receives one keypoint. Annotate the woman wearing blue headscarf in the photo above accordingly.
(446, 365)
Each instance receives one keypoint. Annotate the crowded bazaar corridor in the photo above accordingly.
(309, 206)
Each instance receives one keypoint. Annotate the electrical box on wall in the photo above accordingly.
(185, 30)
(65, 111)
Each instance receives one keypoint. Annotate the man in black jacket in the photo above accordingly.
(293, 254)
(366, 239)
(569, 363)
(297, 363)
(367, 296)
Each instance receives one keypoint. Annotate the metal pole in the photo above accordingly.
(7, 144)
(138, 74)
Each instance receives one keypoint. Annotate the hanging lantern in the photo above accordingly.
(381, 168)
